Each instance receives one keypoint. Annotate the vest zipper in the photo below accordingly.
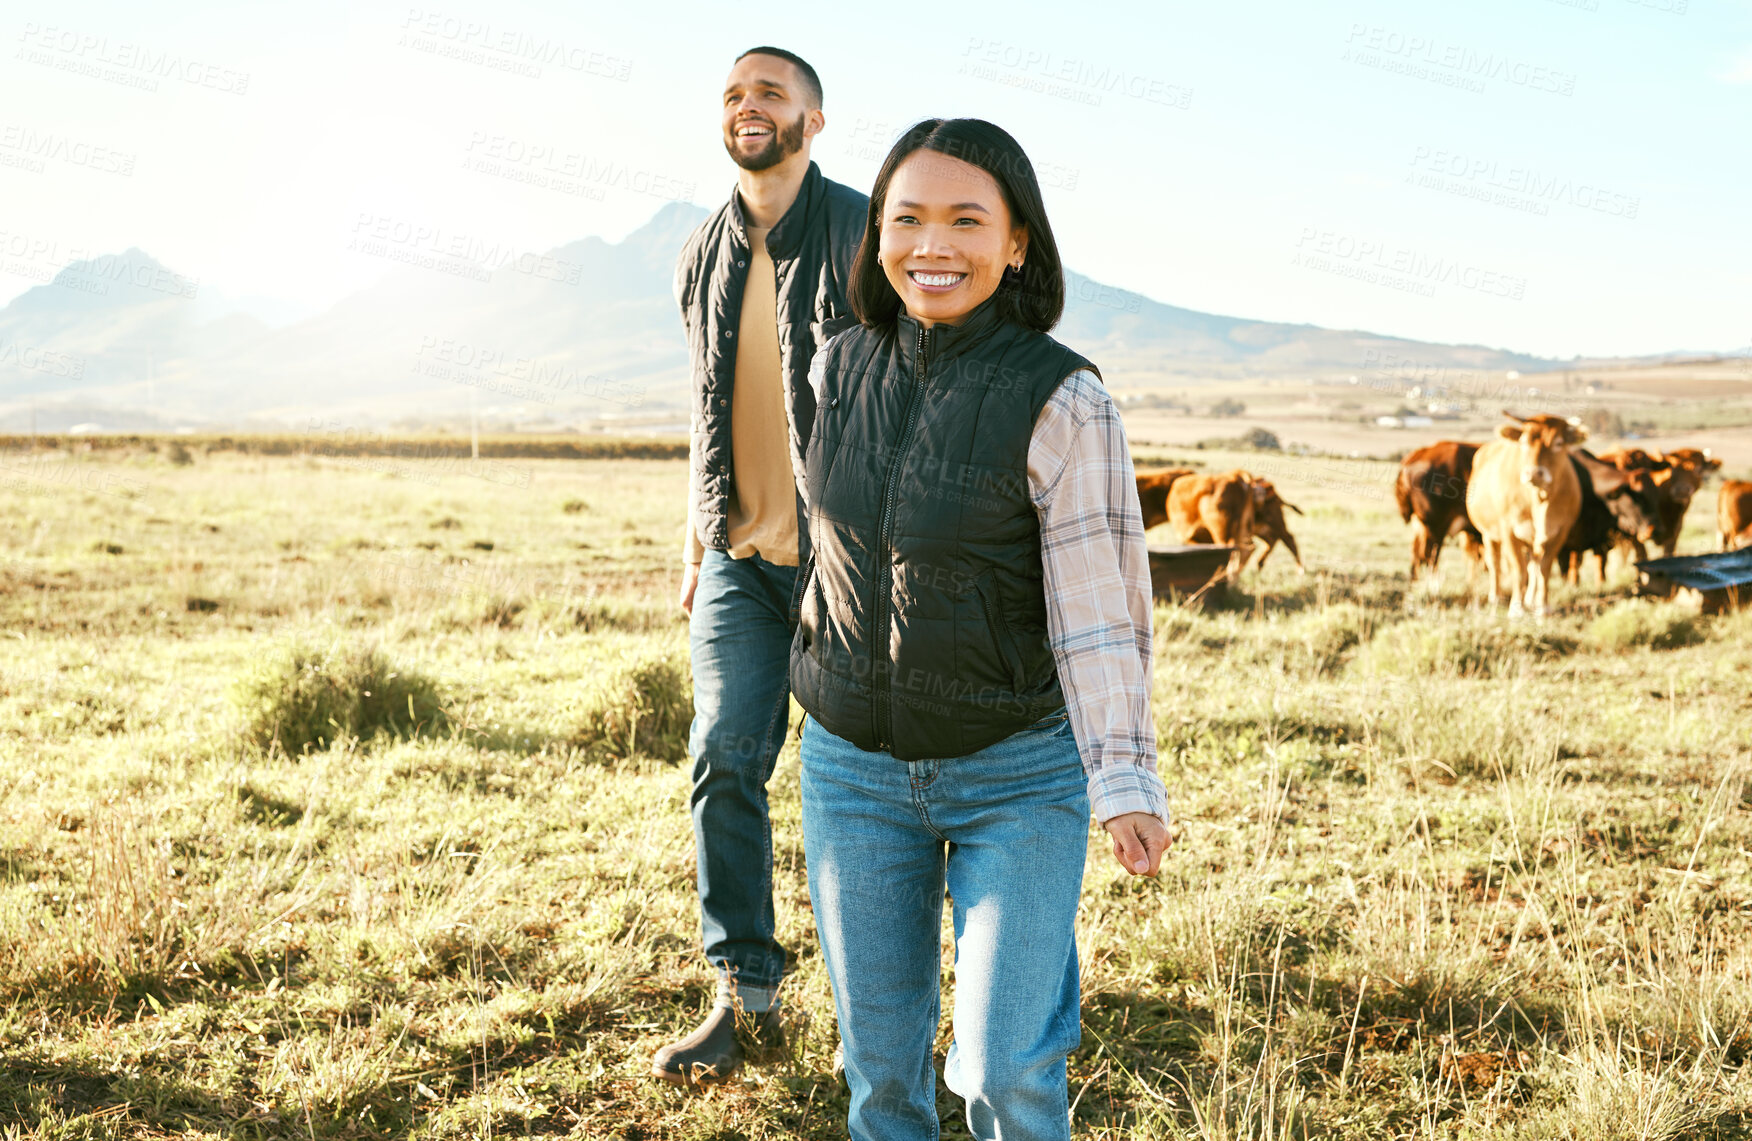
(881, 708)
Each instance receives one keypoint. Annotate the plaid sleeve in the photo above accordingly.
(1097, 592)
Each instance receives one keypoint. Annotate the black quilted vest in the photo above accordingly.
(923, 623)
(812, 248)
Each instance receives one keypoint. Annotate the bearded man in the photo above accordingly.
(761, 284)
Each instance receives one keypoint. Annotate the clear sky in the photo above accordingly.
(1554, 176)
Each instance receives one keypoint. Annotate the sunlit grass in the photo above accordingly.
(1437, 875)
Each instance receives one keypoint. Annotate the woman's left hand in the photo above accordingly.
(1139, 839)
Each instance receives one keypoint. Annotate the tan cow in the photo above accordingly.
(1215, 509)
(1153, 493)
(1734, 514)
(1524, 497)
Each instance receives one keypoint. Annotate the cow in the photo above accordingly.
(1618, 506)
(1632, 459)
(1153, 493)
(1523, 497)
(1269, 524)
(1734, 513)
(1677, 476)
(1431, 490)
(1215, 509)
(1698, 460)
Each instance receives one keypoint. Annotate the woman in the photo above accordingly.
(975, 615)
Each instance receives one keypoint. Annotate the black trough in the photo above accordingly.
(1718, 581)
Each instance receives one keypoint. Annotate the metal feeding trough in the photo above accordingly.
(1192, 573)
(1720, 581)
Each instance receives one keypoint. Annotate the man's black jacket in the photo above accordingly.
(812, 248)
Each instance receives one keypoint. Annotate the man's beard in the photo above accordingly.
(781, 145)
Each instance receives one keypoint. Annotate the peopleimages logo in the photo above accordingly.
(465, 255)
(1451, 65)
(510, 50)
(1461, 390)
(511, 374)
(36, 358)
(1065, 77)
(96, 275)
(121, 62)
(570, 172)
(1515, 187)
(31, 150)
(1393, 266)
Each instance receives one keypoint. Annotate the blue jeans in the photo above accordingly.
(1007, 828)
(740, 641)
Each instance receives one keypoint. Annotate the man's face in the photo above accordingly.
(765, 119)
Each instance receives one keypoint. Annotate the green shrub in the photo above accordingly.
(306, 697)
(1657, 625)
(639, 702)
(1262, 440)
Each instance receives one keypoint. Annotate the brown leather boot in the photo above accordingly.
(714, 1052)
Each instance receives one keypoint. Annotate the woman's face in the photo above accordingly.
(946, 236)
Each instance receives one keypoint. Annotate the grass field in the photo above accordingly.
(1436, 875)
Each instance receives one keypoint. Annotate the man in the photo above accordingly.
(761, 285)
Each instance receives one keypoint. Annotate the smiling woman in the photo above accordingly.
(947, 234)
(973, 646)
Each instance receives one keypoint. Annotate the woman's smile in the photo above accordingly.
(935, 282)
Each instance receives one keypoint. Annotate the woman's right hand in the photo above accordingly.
(690, 578)
(1139, 839)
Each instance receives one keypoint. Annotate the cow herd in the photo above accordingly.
(1523, 503)
(1231, 510)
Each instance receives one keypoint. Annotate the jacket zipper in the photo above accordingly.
(880, 707)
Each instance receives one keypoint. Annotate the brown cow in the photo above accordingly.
(1698, 460)
(1633, 459)
(1677, 476)
(1734, 513)
(1693, 467)
(1269, 524)
(1431, 490)
(1524, 498)
(1215, 509)
(1153, 493)
(1618, 507)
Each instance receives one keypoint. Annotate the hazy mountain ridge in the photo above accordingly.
(588, 329)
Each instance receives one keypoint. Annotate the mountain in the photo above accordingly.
(584, 332)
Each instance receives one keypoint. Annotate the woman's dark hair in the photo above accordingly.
(1035, 298)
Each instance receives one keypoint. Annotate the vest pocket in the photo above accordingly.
(988, 597)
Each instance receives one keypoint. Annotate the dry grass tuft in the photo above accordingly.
(308, 697)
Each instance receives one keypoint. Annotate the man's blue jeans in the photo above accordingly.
(1007, 828)
(740, 640)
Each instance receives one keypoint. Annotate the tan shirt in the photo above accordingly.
(763, 511)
